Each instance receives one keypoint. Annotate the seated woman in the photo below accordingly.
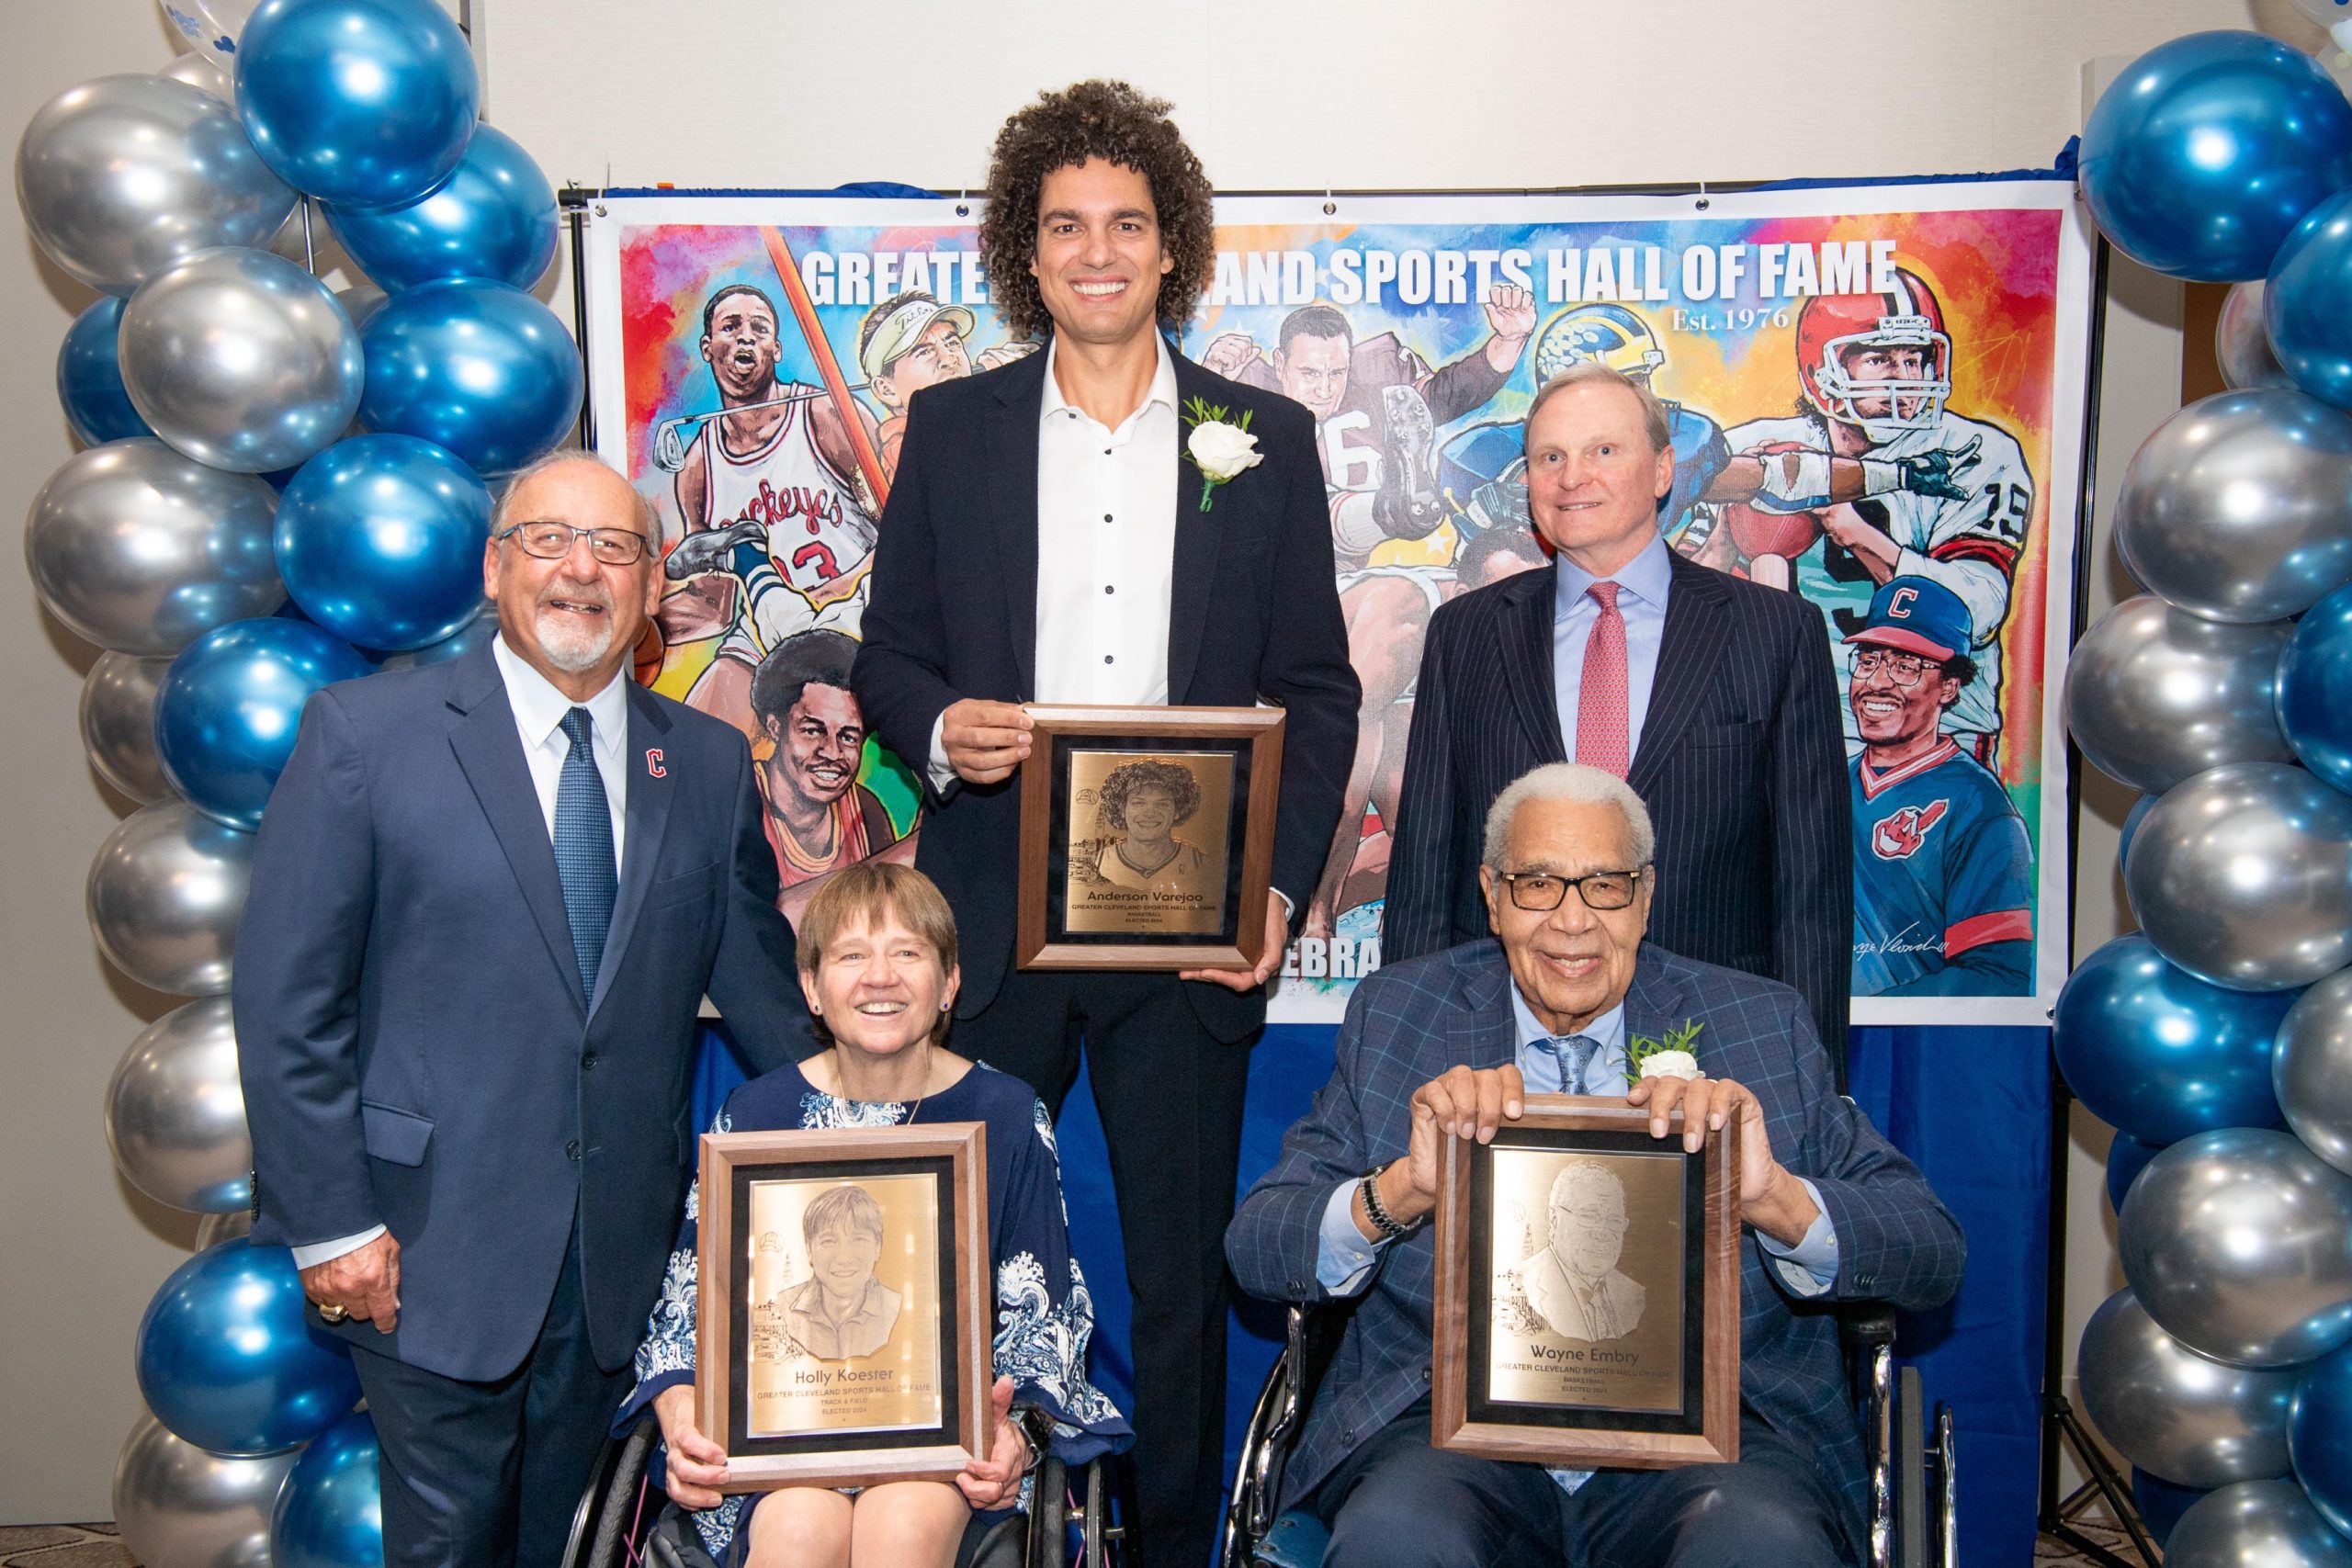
(877, 962)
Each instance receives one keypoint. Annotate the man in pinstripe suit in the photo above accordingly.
(1450, 1044)
(1714, 698)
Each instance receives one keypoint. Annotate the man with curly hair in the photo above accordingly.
(1042, 544)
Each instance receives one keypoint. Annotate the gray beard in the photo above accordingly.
(571, 651)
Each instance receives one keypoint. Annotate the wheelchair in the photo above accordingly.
(1912, 1518)
(626, 1520)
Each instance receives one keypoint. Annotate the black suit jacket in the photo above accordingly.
(1254, 613)
(409, 1031)
(1742, 764)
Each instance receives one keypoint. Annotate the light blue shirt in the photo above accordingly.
(1641, 586)
(1344, 1260)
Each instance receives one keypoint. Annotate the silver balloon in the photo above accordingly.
(2239, 507)
(2243, 876)
(2239, 1243)
(196, 71)
(214, 1229)
(139, 549)
(2311, 1069)
(175, 1113)
(178, 1506)
(2255, 1524)
(122, 176)
(164, 895)
(119, 724)
(2242, 344)
(242, 360)
(2176, 1413)
(2154, 694)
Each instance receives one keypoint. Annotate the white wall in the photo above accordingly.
(1377, 94)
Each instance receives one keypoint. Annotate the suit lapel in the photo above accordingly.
(1690, 646)
(1654, 1005)
(1010, 453)
(648, 813)
(1526, 636)
(1481, 1032)
(491, 753)
(1197, 534)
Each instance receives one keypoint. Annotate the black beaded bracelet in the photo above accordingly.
(1381, 1219)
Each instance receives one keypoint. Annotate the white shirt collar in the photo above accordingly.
(1162, 389)
(539, 708)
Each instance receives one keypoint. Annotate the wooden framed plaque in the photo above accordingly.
(841, 1335)
(1588, 1291)
(1147, 836)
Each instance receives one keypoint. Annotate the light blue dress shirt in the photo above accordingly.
(1344, 1260)
(1642, 588)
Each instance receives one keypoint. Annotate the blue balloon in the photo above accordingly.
(330, 1510)
(2202, 156)
(89, 377)
(494, 218)
(481, 368)
(229, 707)
(2151, 1049)
(2318, 1436)
(379, 540)
(2137, 815)
(2161, 1502)
(2315, 687)
(2304, 304)
(227, 1361)
(474, 634)
(2127, 1156)
(364, 103)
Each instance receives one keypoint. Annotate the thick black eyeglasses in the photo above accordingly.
(1541, 892)
(552, 541)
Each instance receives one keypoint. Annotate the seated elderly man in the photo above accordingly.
(1453, 1041)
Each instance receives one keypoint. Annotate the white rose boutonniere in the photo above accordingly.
(1670, 1065)
(1670, 1058)
(1218, 447)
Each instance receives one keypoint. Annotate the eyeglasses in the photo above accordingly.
(1542, 891)
(1902, 669)
(552, 541)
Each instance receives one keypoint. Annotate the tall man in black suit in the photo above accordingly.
(1049, 539)
(488, 899)
(1714, 698)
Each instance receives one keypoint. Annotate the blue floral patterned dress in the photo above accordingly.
(1044, 1315)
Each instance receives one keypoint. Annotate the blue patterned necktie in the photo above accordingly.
(584, 850)
(1576, 1053)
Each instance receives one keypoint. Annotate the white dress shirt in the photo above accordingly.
(539, 711)
(1106, 551)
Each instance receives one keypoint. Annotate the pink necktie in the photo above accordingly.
(1601, 697)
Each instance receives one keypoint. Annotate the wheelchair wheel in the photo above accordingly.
(612, 1510)
(1915, 1545)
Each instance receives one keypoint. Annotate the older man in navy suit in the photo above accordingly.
(488, 899)
(1451, 1044)
(1714, 697)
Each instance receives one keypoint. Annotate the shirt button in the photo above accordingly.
(1108, 660)
(1108, 589)
(1106, 517)
(572, 1149)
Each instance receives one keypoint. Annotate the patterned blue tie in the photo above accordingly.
(1581, 1048)
(584, 850)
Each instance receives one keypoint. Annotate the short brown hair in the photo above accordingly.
(1653, 420)
(866, 895)
(1113, 121)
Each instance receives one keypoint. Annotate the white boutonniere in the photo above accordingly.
(1670, 1058)
(1217, 447)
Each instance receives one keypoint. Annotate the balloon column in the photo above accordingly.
(2218, 1039)
(207, 361)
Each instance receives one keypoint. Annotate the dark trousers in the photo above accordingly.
(489, 1474)
(1170, 1096)
(1397, 1502)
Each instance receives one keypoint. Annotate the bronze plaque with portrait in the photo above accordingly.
(1588, 1291)
(1146, 837)
(842, 1332)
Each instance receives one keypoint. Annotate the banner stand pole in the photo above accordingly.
(2060, 1425)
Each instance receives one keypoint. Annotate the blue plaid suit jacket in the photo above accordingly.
(1410, 1023)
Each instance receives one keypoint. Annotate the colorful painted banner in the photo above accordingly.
(1876, 398)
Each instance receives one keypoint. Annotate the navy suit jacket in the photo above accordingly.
(1742, 764)
(1254, 613)
(409, 1029)
(1410, 1022)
